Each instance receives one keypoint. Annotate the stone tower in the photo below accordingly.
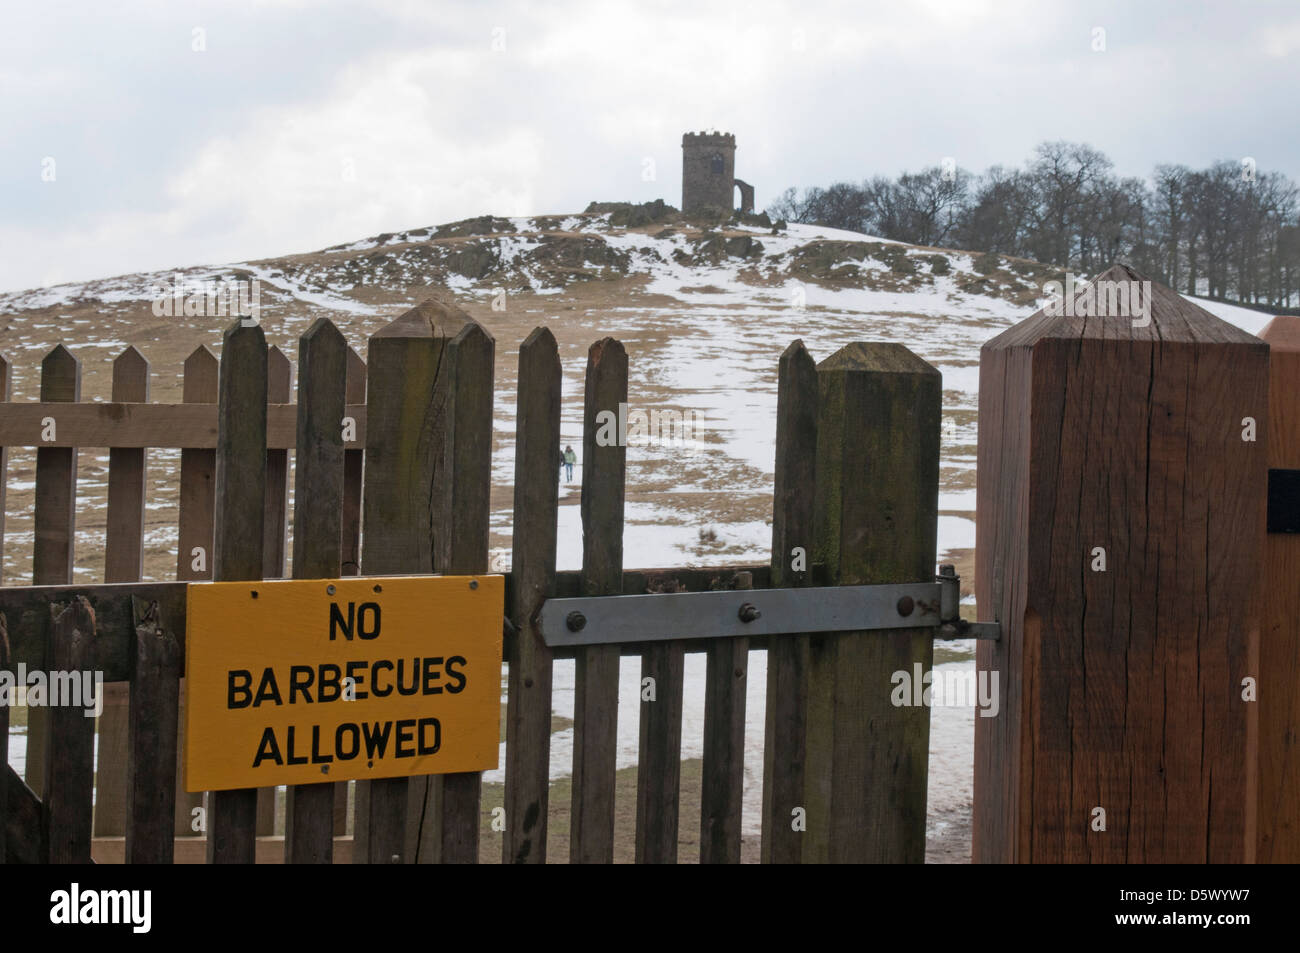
(708, 170)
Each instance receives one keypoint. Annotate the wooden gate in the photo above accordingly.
(845, 769)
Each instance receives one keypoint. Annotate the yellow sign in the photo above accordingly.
(302, 681)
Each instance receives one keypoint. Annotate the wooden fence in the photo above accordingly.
(1123, 474)
(422, 417)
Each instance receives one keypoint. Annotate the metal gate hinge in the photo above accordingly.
(656, 617)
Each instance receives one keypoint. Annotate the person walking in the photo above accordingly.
(568, 459)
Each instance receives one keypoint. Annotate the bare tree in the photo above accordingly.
(1223, 230)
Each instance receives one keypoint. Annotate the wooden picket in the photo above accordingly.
(194, 523)
(154, 736)
(591, 822)
(536, 505)
(123, 562)
(726, 681)
(279, 388)
(6, 392)
(55, 527)
(238, 548)
(310, 823)
(785, 746)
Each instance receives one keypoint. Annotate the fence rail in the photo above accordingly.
(123, 425)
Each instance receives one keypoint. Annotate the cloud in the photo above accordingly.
(305, 126)
(374, 154)
(1282, 41)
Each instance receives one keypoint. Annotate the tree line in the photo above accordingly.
(1227, 231)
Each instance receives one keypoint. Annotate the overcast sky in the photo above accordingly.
(140, 136)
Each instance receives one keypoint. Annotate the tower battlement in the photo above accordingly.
(709, 139)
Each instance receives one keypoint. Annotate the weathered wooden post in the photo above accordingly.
(353, 458)
(792, 553)
(5, 663)
(151, 740)
(726, 678)
(1279, 640)
(876, 517)
(537, 479)
(1121, 475)
(6, 393)
(194, 536)
(275, 525)
(317, 543)
(238, 517)
(55, 521)
(446, 830)
(69, 767)
(427, 477)
(123, 561)
(595, 707)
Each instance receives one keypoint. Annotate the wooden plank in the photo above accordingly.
(596, 696)
(194, 539)
(23, 827)
(124, 545)
(353, 461)
(1109, 435)
(55, 521)
(353, 457)
(659, 754)
(532, 563)
(123, 562)
(407, 402)
(786, 714)
(193, 850)
(6, 665)
(722, 789)
(70, 769)
(6, 394)
(447, 830)
(279, 390)
(317, 544)
(275, 524)
(154, 728)
(876, 517)
(113, 650)
(238, 545)
(198, 468)
(1279, 642)
(132, 425)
